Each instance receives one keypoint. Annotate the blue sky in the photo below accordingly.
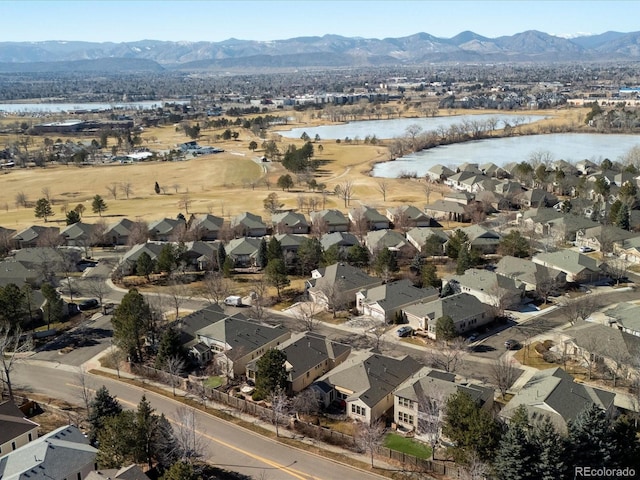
(217, 20)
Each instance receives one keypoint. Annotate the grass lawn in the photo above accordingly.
(407, 445)
(214, 382)
(533, 358)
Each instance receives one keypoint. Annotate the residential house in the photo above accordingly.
(469, 167)
(366, 384)
(19, 273)
(482, 239)
(492, 170)
(338, 284)
(554, 394)
(467, 312)
(626, 317)
(443, 210)
(35, 236)
(248, 225)
(533, 275)
(465, 181)
(166, 230)
(587, 167)
(290, 244)
(608, 236)
(418, 237)
(463, 198)
(16, 429)
(309, 356)
(236, 341)
(394, 241)
(368, 217)
(343, 240)
(243, 251)
(118, 233)
(132, 472)
(329, 221)
(408, 216)
(64, 453)
(536, 198)
(386, 302)
(578, 267)
(79, 235)
(207, 227)
(439, 173)
(201, 255)
(47, 260)
(548, 222)
(508, 188)
(130, 259)
(290, 222)
(488, 287)
(630, 251)
(417, 398)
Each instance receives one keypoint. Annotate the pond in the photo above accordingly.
(397, 127)
(567, 146)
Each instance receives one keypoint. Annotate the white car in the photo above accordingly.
(584, 249)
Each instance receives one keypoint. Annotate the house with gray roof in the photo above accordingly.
(396, 242)
(467, 312)
(536, 198)
(609, 235)
(329, 221)
(625, 316)
(548, 222)
(34, 236)
(16, 429)
(482, 239)
(409, 216)
(439, 173)
(118, 233)
(492, 170)
(491, 288)
(236, 341)
(337, 285)
(290, 222)
(366, 383)
(132, 472)
(19, 273)
(533, 275)
(372, 219)
(64, 453)
(248, 225)
(344, 241)
(309, 356)
(464, 181)
(166, 230)
(201, 255)
(385, 302)
(207, 227)
(443, 210)
(130, 259)
(243, 251)
(415, 397)
(78, 234)
(553, 393)
(418, 237)
(578, 267)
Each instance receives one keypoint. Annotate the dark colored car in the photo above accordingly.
(405, 331)
(511, 344)
(89, 304)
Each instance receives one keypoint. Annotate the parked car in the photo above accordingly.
(473, 337)
(585, 249)
(405, 331)
(233, 300)
(511, 344)
(89, 304)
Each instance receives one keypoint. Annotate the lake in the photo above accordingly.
(567, 146)
(71, 107)
(396, 127)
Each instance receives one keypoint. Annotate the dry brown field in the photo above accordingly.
(223, 184)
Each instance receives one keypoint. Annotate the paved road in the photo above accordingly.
(227, 446)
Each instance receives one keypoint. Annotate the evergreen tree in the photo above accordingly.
(271, 373)
(222, 256)
(613, 212)
(467, 258)
(445, 328)
(551, 449)
(416, 264)
(589, 438)
(72, 217)
(516, 457)
(455, 243)
(274, 250)
(309, 255)
(167, 451)
(144, 265)
(430, 276)
(146, 426)
(43, 209)
(627, 447)
(117, 440)
(261, 258)
(332, 255)
(180, 471)
(13, 305)
(102, 407)
(156, 188)
(386, 263)
(53, 308)
(358, 256)
(167, 258)
(131, 321)
(622, 219)
(276, 275)
(432, 246)
(98, 205)
(169, 346)
(514, 244)
(227, 267)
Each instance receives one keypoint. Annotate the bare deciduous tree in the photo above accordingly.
(85, 390)
(113, 190)
(369, 436)
(11, 346)
(431, 415)
(190, 441)
(139, 233)
(279, 407)
(578, 308)
(96, 287)
(215, 287)
(126, 188)
(383, 188)
(306, 402)
(306, 314)
(178, 294)
(334, 294)
(448, 356)
(21, 200)
(504, 373)
(344, 190)
(185, 203)
(174, 366)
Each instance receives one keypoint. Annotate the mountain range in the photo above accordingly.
(314, 52)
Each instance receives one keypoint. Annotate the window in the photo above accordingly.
(405, 402)
(358, 410)
(13, 445)
(30, 437)
(79, 476)
(405, 418)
